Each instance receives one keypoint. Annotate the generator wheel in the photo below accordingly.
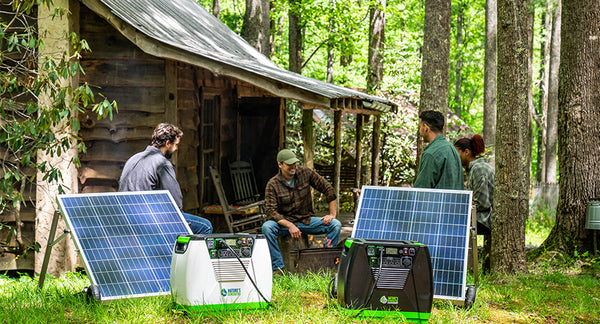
(470, 297)
(93, 293)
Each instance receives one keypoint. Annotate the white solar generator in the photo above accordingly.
(221, 272)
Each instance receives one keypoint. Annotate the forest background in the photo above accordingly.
(335, 38)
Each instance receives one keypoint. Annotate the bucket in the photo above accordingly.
(592, 214)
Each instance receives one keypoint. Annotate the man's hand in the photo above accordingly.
(295, 231)
(327, 219)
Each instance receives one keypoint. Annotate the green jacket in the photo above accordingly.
(480, 180)
(440, 166)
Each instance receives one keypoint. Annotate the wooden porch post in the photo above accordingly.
(359, 136)
(54, 34)
(337, 139)
(171, 99)
(308, 138)
(375, 150)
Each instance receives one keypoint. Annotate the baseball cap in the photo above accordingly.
(287, 156)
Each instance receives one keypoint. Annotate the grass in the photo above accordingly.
(554, 291)
(557, 289)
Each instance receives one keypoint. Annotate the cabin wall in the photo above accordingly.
(147, 89)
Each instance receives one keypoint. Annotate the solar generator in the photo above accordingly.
(386, 278)
(440, 219)
(221, 272)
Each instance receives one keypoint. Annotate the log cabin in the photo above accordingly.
(171, 61)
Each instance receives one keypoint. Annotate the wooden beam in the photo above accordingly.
(308, 138)
(376, 147)
(337, 131)
(359, 136)
(170, 99)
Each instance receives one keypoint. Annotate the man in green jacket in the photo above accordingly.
(440, 165)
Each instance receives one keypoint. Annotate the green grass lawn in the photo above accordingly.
(555, 290)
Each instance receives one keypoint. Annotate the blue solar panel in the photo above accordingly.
(126, 239)
(439, 219)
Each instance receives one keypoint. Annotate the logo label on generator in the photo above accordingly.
(231, 292)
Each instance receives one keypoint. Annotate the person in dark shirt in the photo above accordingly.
(151, 170)
(480, 180)
(440, 165)
(290, 209)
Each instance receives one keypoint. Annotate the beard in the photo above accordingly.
(168, 155)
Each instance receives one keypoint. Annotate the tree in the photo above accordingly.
(551, 133)
(257, 23)
(376, 45)
(489, 83)
(436, 60)
(578, 131)
(460, 22)
(513, 137)
(37, 105)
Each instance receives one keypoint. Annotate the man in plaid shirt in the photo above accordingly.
(290, 207)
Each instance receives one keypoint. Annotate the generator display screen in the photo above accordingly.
(391, 250)
(226, 246)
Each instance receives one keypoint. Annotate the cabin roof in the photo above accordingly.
(183, 30)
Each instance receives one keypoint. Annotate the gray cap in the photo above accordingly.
(287, 156)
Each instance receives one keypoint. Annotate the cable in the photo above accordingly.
(375, 283)
(247, 273)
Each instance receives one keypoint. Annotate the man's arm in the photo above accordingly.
(168, 181)
(319, 183)
(332, 212)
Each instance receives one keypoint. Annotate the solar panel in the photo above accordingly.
(126, 239)
(437, 218)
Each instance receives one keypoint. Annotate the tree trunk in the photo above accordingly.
(489, 79)
(376, 45)
(257, 24)
(513, 137)
(216, 9)
(64, 256)
(542, 111)
(436, 62)
(551, 136)
(295, 37)
(460, 21)
(578, 120)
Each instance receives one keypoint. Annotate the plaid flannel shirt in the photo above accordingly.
(480, 180)
(295, 203)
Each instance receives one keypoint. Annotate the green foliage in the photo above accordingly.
(38, 107)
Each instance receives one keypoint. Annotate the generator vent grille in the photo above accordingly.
(391, 278)
(230, 270)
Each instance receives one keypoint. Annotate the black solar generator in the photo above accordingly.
(386, 278)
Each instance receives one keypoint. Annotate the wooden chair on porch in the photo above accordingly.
(244, 183)
(245, 218)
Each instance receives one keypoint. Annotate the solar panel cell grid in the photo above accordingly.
(126, 239)
(437, 218)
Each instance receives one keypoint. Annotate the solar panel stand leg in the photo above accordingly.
(51, 242)
(474, 251)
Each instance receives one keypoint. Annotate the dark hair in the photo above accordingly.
(475, 144)
(434, 119)
(164, 133)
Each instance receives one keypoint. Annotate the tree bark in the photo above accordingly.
(64, 256)
(489, 79)
(551, 132)
(376, 45)
(257, 23)
(436, 62)
(578, 120)
(216, 9)
(460, 20)
(513, 137)
(542, 111)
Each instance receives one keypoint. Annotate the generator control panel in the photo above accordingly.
(391, 256)
(222, 246)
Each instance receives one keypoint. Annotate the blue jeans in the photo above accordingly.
(272, 230)
(198, 225)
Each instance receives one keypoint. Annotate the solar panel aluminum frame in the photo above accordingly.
(386, 212)
(167, 248)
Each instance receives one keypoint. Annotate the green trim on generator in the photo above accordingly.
(222, 307)
(413, 317)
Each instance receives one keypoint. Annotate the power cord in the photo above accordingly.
(247, 273)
